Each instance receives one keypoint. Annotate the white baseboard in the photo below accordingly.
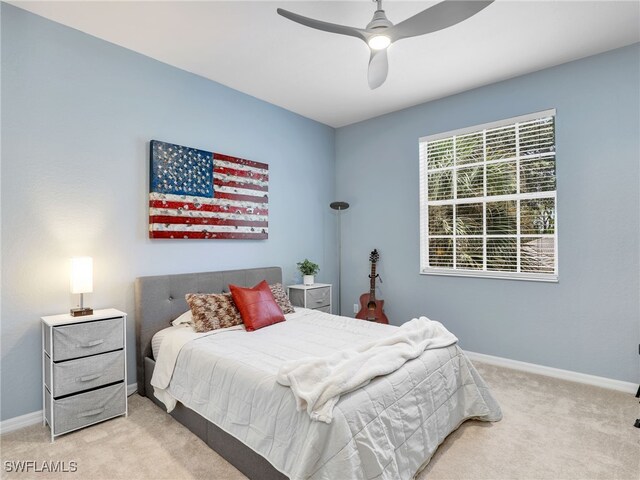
(15, 423)
(22, 421)
(594, 380)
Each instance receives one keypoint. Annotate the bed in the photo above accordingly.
(388, 429)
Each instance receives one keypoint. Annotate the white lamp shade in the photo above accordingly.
(81, 275)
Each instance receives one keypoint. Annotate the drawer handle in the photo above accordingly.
(92, 343)
(91, 413)
(320, 301)
(88, 378)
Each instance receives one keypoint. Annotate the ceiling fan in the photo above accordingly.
(380, 33)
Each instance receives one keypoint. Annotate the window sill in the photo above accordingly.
(531, 277)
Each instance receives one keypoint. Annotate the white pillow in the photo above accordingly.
(186, 317)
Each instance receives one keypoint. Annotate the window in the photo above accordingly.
(488, 200)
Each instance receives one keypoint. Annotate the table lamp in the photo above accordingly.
(81, 282)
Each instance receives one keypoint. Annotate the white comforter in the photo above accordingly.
(319, 382)
(387, 429)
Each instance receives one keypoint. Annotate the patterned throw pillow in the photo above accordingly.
(281, 298)
(212, 311)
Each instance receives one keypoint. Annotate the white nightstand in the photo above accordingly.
(316, 296)
(84, 363)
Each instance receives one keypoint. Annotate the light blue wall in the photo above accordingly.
(589, 321)
(77, 116)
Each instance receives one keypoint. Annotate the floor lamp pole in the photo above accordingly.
(339, 206)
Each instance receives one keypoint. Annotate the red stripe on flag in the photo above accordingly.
(169, 219)
(240, 198)
(240, 161)
(240, 173)
(248, 186)
(208, 208)
(208, 235)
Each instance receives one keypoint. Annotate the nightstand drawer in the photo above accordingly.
(318, 297)
(85, 373)
(83, 339)
(315, 297)
(86, 408)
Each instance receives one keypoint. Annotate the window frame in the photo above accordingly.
(424, 203)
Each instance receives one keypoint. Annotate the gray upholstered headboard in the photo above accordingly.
(160, 299)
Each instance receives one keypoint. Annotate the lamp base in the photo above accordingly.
(81, 312)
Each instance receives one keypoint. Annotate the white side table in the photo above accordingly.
(316, 296)
(84, 364)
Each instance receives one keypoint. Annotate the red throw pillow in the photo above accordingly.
(257, 306)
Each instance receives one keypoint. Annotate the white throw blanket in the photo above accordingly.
(317, 383)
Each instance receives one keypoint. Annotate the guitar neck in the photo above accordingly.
(372, 282)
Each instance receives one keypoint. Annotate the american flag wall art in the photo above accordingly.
(199, 194)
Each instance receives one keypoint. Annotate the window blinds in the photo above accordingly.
(488, 200)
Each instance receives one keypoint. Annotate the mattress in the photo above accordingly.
(388, 429)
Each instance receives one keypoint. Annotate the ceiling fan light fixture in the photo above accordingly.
(379, 42)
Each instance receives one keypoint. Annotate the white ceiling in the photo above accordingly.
(248, 47)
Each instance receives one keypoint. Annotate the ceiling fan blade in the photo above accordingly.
(325, 26)
(442, 15)
(378, 68)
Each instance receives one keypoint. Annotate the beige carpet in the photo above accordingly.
(551, 429)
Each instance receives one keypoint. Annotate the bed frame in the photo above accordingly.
(159, 300)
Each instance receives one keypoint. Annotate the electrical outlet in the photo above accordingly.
(355, 308)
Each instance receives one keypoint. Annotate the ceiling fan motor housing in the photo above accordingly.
(379, 20)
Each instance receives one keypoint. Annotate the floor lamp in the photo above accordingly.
(339, 206)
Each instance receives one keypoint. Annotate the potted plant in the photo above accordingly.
(308, 269)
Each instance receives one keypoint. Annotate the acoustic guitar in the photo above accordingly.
(370, 308)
